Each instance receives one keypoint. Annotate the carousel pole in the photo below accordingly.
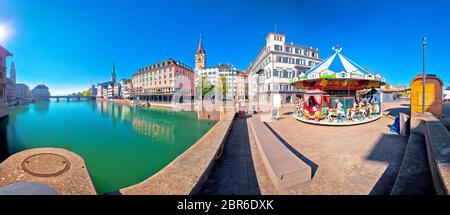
(424, 43)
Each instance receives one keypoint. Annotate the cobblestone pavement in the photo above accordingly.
(362, 159)
(234, 173)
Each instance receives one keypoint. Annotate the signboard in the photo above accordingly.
(343, 75)
(313, 76)
(357, 75)
(369, 76)
(276, 100)
(327, 74)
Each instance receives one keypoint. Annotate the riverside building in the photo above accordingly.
(40, 92)
(109, 89)
(161, 81)
(3, 104)
(229, 74)
(23, 91)
(242, 86)
(126, 88)
(11, 97)
(275, 66)
(226, 72)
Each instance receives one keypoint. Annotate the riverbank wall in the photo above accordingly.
(189, 171)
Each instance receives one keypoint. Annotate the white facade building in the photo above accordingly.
(275, 66)
(102, 90)
(126, 87)
(23, 91)
(224, 70)
(40, 92)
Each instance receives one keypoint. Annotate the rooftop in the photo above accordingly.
(41, 86)
(163, 64)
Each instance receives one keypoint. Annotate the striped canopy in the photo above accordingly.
(338, 67)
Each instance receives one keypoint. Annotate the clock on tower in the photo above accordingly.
(200, 56)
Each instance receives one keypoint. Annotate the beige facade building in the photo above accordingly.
(242, 86)
(161, 81)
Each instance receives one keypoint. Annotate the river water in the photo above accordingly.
(121, 145)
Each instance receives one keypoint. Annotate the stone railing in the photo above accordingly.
(437, 138)
(189, 171)
(437, 141)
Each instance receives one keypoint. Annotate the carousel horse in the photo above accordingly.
(362, 109)
(299, 107)
(337, 112)
(351, 112)
(373, 109)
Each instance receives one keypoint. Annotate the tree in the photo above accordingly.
(86, 93)
(205, 86)
(221, 87)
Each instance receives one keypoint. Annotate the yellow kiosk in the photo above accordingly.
(433, 95)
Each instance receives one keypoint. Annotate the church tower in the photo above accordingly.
(200, 56)
(113, 74)
(12, 73)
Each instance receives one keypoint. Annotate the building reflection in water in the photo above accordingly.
(4, 151)
(8, 128)
(156, 125)
(42, 106)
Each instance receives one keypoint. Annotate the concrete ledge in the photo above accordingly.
(62, 170)
(189, 171)
(27, 188)
(284, 168)
(438, 147)
(414, 170)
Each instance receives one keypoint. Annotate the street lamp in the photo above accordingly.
(424, 43)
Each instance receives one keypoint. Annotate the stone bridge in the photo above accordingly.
(72, 97)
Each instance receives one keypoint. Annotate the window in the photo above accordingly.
(288, 49)
(297, 61)
(275, 73)
(278, 48)
(285, 60)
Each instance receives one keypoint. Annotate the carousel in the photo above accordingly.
(338, 92)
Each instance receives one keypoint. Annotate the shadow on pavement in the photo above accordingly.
(234, 172)
(313, 165)
(390, 149)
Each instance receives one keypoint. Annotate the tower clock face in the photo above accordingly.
(199, 58)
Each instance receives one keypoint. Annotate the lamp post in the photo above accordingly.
(424, 43)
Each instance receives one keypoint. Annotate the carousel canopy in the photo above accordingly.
(338, 67)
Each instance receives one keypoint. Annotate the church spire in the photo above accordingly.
(12, 72)
(113, 74)
(200, 46)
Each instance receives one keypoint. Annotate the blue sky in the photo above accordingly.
(70, 44)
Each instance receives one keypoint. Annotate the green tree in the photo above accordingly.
(221, 87)
(86, 93)
(205, 86)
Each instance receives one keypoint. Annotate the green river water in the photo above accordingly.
(121, 145)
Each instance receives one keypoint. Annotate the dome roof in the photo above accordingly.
(337, 66)
(338, 63)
